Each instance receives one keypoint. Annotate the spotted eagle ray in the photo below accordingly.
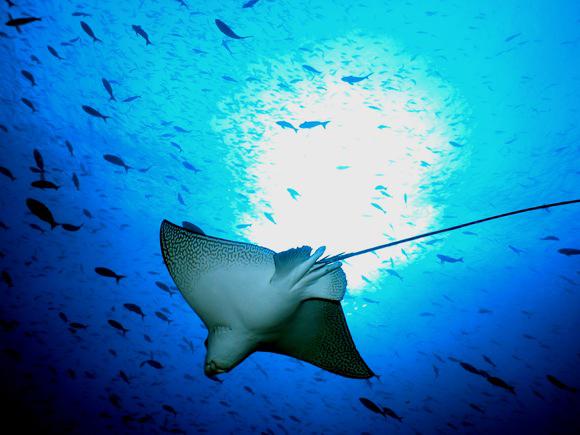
(252, 299)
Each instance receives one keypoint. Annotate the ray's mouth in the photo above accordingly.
(212, 369)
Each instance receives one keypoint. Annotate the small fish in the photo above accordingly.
(354, 79)
(378, 207)
(392, 414)
(569, 251)
(516, 250)
(370, 405)
(133, 98)
(312, 124)
(28, 76)
(550, 238)
(7, 279)
(509, 38)
(162, 316)
(436, 371)
(106, 272)
(43, 184)
(249, 390)
(124, 376)
(270, 217)
(75, 181)
(311, 69)
(38, 160)
(293, 193)
(77, 325)
(189, 166)
(468, 367)
(447, 259)
(139, 31)
(153, 363)
(93, 112)
(394, 273)
(286, 124)
(71, 227)
(7, 173)
(250, 3)
(109, 89)
(455, 144)
(42, 212)
(81, 14)
(488, 360)
(17, 22)
(29, 104)
(559, 384)
(134, 309)
(89, 31)
(52, 51)
(116, 160)
(118, 326)
(69, 147)
(226, 30)
(500, 383)
(87, 213)
(164, 287)
(169, 409)
(477, 408)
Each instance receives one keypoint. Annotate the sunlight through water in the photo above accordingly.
(364, 178)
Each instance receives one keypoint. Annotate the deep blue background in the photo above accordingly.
(520, 97)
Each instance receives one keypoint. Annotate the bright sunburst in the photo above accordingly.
(364, 179)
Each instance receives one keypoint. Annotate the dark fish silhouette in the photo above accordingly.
(162, 316)
(468, 367)
(355, 79)
(43, 184)
(106, 272)
(488, 360)
(250, 3)
(109, 89)
(7, 278)
(38, 160)
(124, 376)
(447, 259)
(42, 212)
(118, 326)
(116, 160)
(63, 317)
(71, 227)
(569, 251)
(312, 124)
(17, 22)
(500, 383)
(54, 52)
(134, 309)
(311, 69)
(226, 30)
(370, 405)
(81, 14)
(286, 124)
(89, 31)
(28, 76)
(133, 98)
(391, 413)
(75, 181)
(28, 103)
(559, 384)
(153, 363)
(164, 286)
(95, 113)
(139, 31)
(69, 147)
(6, 172)
(550, 238)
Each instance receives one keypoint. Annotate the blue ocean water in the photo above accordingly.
(344, 124)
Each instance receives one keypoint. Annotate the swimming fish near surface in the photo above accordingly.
(226, 30)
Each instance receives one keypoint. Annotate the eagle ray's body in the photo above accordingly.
(253, 299)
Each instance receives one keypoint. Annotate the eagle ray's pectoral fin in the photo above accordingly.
(319, 335)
